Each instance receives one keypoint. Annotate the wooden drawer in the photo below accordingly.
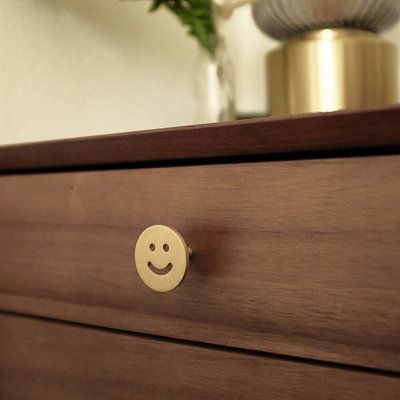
(70, 362)
(291, 257)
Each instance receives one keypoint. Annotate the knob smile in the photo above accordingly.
(159, 271)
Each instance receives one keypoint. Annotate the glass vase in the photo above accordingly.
(213, 86)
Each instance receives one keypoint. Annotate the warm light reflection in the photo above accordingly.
(328, 73)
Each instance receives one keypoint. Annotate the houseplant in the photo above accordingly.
(213, 73)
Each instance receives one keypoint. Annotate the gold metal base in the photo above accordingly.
(332, 69)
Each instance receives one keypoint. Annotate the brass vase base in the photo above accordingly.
(330, 70)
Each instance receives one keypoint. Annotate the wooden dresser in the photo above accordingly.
(293, 291)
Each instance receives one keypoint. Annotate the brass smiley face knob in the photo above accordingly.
(161, 257)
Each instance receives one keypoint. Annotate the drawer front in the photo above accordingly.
(48, 360)
(296, 257)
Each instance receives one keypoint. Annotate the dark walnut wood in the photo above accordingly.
(307, 133)
(295, 257)
(69, 362)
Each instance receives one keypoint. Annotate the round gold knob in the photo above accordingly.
(161, 257)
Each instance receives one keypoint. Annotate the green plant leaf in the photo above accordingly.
(156, 4)
(197, 16)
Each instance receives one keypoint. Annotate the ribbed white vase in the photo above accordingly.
(282, 19)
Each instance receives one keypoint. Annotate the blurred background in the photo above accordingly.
(73, 68)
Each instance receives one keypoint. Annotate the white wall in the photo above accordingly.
(80, 67)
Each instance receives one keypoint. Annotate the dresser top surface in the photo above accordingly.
(279, 136)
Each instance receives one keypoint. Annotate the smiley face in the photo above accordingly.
(161, 257)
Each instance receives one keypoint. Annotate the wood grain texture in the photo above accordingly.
(314, 132)
(295, 257)
(69, 362)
